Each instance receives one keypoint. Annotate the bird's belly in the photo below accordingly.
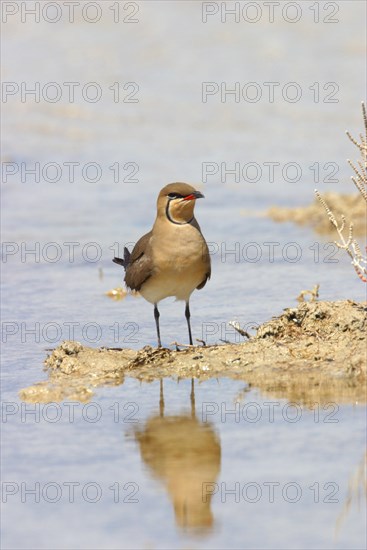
(177, 272)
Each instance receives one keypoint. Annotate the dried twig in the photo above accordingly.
(240, 330)
(201, 342)
(178, 345)
(349, 243)
(314, 294)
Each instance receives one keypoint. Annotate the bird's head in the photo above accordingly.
(176, 201)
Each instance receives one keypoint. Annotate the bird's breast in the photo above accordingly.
(180, 263)
(180, 249)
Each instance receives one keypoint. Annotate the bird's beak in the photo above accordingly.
(193, 196)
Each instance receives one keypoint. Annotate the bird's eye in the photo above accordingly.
(175, 196)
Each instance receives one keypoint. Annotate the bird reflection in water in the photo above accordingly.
(184, 453)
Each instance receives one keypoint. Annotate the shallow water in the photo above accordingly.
(210, 467)
(168, 135)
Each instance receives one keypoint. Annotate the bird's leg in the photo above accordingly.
(192, 398)
(161, 398)
(156, 317)
(187, 315)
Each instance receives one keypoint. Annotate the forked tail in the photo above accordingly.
(124, 262)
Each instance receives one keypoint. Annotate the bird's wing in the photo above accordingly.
(208, 271)
(140, 266)
(204, 281)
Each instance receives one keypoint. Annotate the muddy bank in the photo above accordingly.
(315, 352)
(352, 206)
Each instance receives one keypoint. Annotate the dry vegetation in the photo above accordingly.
(344, 230)
(339, 208)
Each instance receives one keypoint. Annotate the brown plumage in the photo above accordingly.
(173, 258)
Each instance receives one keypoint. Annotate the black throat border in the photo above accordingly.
(173, 221)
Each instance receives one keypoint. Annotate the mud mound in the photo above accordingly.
(326, 320)
(352, 206)
(315, 352)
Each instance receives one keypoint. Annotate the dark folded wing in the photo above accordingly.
(209, 270)
(204, 281)
(140, 266)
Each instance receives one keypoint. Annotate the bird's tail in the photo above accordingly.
(124, 262)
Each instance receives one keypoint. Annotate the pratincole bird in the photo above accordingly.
(173, 258)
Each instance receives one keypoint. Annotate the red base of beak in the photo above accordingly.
(193, 196)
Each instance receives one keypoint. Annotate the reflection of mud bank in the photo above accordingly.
(352, 206)
(315, 352)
